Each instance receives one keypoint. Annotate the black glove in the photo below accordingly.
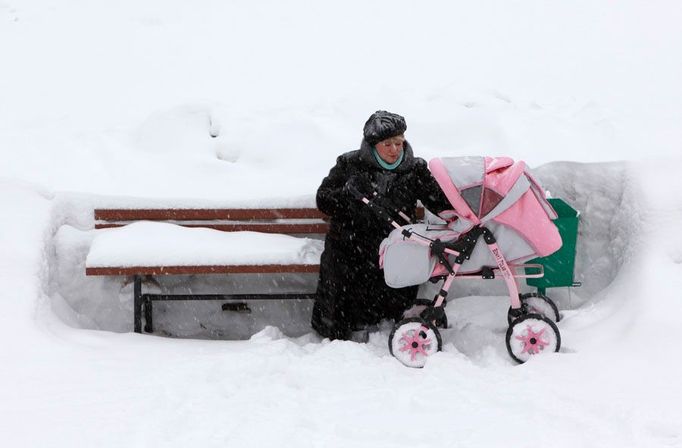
(385, 203)
(358, 186)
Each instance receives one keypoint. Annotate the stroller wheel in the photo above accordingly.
(413, 340)
(537, 303)
(532, 335)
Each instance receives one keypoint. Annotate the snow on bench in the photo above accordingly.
(157, 248)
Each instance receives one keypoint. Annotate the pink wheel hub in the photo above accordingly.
(414, 343)
(532, 341)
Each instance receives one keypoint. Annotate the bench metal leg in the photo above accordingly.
(148, 323)
(143, 303)
(137, 304)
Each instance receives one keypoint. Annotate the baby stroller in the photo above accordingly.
(495, 200)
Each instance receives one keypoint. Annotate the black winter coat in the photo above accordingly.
(351, 292)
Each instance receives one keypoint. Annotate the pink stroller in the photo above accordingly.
(493, 199)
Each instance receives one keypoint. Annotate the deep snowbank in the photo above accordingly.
(313, 392)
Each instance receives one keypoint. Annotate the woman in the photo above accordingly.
(351, 292)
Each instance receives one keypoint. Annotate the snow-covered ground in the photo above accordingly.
(234, 104)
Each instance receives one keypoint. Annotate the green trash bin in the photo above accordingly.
(560, 265)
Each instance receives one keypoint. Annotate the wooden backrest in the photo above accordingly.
(267, 220)
(278, 220)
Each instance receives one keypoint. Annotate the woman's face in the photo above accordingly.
(391, 148)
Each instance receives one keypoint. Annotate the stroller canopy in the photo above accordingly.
(498, 190)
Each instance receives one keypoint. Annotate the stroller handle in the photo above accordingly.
(381, 211)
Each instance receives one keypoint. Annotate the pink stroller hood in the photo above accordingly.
(498, 190)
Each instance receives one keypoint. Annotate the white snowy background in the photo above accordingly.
(115, 103)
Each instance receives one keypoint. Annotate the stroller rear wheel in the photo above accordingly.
(413, 340)
(537, 303)
(532, 335)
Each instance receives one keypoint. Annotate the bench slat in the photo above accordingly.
(311, 228)
(188, 214)
(188, 270)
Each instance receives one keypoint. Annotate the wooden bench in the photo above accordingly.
(286, 221)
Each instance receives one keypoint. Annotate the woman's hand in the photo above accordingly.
(359, 186)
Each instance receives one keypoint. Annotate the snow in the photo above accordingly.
(159, 244)
(174, 104)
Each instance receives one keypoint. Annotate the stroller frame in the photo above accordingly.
(467, 242)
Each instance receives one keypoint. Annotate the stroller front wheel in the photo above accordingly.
(413, 340)
(532, 335)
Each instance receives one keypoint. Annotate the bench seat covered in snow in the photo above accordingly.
(155, 248)
(156, 242)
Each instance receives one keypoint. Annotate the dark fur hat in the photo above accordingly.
(382, 125)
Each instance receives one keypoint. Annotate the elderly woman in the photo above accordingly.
(351, 293)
